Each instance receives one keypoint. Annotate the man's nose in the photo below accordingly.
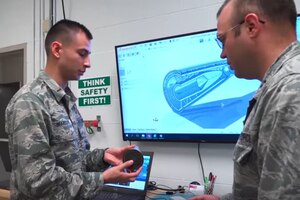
(87, 62)
(223, 54)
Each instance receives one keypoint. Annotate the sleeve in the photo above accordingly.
(33, 162)
(226, 197)
(280, 152)
(95, 162)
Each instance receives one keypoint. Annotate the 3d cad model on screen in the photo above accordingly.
(182, 88)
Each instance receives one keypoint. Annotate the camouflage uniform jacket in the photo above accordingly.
(267, 154)
(48, 146)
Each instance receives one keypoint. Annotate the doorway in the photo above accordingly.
(12, 70)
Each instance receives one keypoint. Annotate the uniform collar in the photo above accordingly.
(292, 49)
(284, 56)
(57, 91)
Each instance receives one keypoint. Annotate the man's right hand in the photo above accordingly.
(119, 174)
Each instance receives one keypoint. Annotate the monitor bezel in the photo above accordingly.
(182, 137)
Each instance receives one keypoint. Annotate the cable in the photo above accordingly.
(89, 130)
(63, 8)
(201, 164)
(51, 13)
(153, 186)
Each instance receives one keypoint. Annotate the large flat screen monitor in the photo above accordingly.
(179, 89)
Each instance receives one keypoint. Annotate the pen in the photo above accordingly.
(205, 183)
(212, 184)
(210, 176)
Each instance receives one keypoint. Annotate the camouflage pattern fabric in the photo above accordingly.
(267, 154)
(48, 146)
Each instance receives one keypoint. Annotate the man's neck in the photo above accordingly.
(272, 48)
(52, 72)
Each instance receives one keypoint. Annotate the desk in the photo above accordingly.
(161, 195)
(4, 194)
(152, 194)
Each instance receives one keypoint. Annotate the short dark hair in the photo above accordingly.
(279, 11)
(62, 31)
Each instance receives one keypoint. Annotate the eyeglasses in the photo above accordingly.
(221, 37)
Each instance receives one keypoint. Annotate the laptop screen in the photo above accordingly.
(141, 181)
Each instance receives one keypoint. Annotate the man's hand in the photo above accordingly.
(114, 156)
(118, 174)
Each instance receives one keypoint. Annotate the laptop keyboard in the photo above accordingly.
(115, 196)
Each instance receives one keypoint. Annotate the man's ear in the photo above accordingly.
(56, 49)
(252, 24)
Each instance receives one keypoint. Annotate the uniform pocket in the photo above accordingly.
(62, 128)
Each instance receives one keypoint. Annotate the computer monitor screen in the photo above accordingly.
(179, 89)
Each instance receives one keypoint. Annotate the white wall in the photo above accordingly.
(115, 22)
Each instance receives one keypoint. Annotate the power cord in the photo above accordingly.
(153, 186)
(201, 164)
(89, 130)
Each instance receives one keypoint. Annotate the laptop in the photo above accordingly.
(129, 191)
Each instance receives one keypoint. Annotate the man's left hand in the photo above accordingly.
(114, 155)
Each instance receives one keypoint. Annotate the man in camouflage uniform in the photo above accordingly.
(258, 38)
(47, 139)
